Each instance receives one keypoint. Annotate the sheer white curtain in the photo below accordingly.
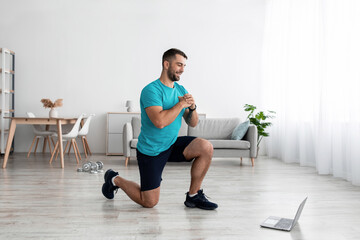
(311, 78)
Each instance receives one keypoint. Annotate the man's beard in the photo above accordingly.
(172, 76)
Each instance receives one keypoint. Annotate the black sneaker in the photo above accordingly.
(199, 201)
(108, 188)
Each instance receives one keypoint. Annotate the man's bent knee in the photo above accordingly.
(150, 198)
(150, 203)
(198, 147)
(206, 147)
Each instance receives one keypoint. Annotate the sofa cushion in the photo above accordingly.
(240, 131)
(184, 128)
(233, 144)
(214, 128)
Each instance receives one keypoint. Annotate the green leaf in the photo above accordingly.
(266, 124)
(255, 121)
(265, 134)
(260, 115)
(249, 107)
(258, 119)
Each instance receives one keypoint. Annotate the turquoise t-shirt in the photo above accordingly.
(152, 140)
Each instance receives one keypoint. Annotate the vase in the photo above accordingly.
(53, 113)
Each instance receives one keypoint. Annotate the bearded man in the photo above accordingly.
(163, 104)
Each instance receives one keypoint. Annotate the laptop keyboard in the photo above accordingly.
(284, 223)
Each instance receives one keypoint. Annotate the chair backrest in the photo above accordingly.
(75, 130)
(85, 129)
(36, 127)
(136, 126)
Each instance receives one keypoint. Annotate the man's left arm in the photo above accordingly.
(190, 115)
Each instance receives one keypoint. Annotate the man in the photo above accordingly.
(163, 104)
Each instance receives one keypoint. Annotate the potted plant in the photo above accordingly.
(260, 120)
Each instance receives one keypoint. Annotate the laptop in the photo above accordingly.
(284, 224)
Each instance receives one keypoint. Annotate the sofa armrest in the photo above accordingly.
(127, 137)
(251, 136)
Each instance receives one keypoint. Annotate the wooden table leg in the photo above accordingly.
(44, 144)
(9, 141)
(60, 143)
(46, 140)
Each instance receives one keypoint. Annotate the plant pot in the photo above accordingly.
(53, 113)
(257, 151)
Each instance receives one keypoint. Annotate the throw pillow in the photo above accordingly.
(240, 131)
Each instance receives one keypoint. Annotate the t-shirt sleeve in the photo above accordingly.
(151, 96)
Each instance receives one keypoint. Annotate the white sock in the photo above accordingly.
(192, 195)
(113, 179)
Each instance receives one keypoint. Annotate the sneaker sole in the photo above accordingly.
(189, 205)
(102, 190)
(105, 177)
(107, 173)
(192, 205)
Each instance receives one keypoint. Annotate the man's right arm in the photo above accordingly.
(162, 118)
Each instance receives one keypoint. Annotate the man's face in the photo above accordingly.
(176, 68)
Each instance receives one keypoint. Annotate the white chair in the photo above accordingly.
(70, 137)
(82, 134)
(39, 133)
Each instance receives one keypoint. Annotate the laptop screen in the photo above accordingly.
(298, 213)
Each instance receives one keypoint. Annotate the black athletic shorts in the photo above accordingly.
(151, 167)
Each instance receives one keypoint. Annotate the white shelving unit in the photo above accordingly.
(7, 97)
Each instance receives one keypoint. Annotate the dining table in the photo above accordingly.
(37, 121)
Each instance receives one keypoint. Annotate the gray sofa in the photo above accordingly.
(217, 130)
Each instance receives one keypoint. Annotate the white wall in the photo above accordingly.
(97, 54)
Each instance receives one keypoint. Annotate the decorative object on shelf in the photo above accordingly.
(92, 167)
(49, 104)
(258, 120)
(130, 105)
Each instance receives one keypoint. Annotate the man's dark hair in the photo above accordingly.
(170, 54)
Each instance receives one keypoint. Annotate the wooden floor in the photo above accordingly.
(43, 201)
